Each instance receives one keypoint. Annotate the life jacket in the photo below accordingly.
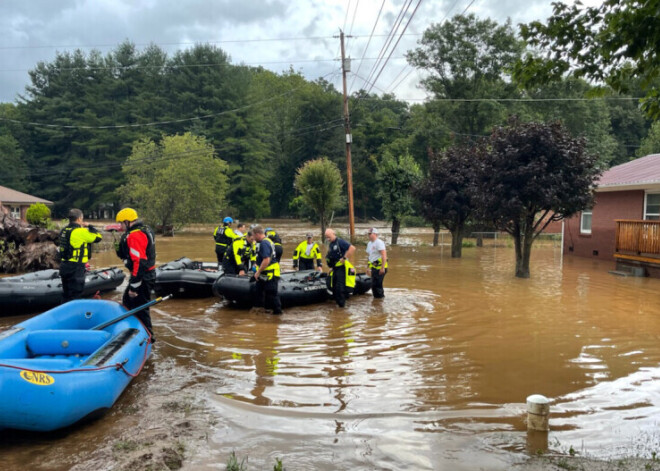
(301, 251)
(66, 250)
(223, 236)
(274, 237)
(350, 275)
(239, 248)
(123, 251)
(378, 264)
(75, 243)
(335, 253)
(273, 269)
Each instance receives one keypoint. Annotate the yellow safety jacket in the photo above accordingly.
(301, 252)
(378, 264)
(273, 269)
(238, 250)
(74, 243)
(223, 235)
(350, 273)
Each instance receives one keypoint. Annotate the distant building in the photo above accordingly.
(624, 222)
(16, 203)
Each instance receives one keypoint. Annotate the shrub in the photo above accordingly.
(38, 214)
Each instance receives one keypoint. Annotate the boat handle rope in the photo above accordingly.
(117, 366)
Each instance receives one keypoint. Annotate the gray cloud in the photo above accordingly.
(34, 29)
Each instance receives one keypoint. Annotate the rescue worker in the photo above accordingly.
(342, 273)
(267, 274)
(305, 253)
(277, 240)
(237, 259)
(137, 248)
(223, 235)
(377, 254)
(75, 253)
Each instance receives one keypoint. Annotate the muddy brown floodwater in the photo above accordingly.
(433, 377)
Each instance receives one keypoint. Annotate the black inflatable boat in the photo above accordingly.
(185, 278)
(43, 289)
(295, 288)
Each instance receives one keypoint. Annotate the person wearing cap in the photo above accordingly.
(377, 262)
(305, 253)
(342, 273)
(75, 253)
(223, 235)
(137, 248)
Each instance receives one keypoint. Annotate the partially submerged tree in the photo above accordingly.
(446, 194)
(319, 183)
(533, 174)
(396, 177)
(175, 182)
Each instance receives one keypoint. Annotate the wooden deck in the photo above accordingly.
(638, 240)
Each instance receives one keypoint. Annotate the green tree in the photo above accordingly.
(532, 174)
(651, 143)
(446, 193)
(319, 183)
(608, 43)
(14, 170)
(469, 60)
(395, 178)
(176, 181)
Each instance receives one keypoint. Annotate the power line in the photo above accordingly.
(187, 43)
(390, 37)
(188, 66)
(368, 43)
(389, 87)
(397, 43)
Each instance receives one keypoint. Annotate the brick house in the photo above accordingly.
(16, 203)
(624, 222)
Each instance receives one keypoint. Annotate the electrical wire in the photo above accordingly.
(390, 37)
(395, 45)
(364, 53)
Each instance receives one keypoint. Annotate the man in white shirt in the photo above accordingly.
(377, 262)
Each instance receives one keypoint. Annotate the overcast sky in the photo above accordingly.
(33, 30)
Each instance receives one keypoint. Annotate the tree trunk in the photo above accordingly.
(25, 248)
(523, 243)
(396, 226)
(436, 233)
(323, 223)
(457, 243)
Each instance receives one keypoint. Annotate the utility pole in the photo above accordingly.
(346, 67)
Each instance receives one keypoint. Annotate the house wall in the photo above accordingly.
(608, 206)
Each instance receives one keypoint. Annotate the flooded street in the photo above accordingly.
(433, 377)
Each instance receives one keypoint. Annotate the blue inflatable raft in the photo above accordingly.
(56, 369)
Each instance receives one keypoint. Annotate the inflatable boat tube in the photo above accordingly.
(43, 289)
(185, 278)
(57, 370)
(298, 288)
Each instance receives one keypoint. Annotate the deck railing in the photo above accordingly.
(638, 237)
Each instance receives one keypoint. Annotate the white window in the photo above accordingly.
(652, 206)
(15, 212)
(585, 222)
